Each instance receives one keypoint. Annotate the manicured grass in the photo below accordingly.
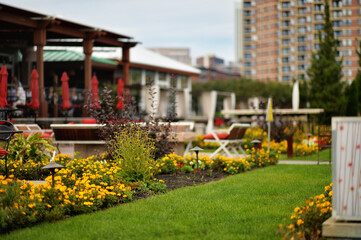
(324, 156)
(245, 206)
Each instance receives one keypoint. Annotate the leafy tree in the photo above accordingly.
(326, 88)
(352, 105)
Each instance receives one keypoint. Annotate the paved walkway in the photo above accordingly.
(300, 162)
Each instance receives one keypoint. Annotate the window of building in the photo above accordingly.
(247, 47)
(302, 58)
(318, 17)
(184, 81)
(247, 30)
(301, 39)
(336, 3)
(359, 11)
(338, 33)
(347, 62)
(286, 78)
(302, 2)
(318, 26)
(247, 4)
(347, 42)
(301, 67)
(319, 7)
(347, 12)
(135, 76)
(286, 4)
(302, 48)
(359, 21)
(347, 32)
(347, 22)
(285, 32)
(301, 20)
(247, 73)
(302, 30)
(247, 39)
(302, 11)
(247, 64)
(247, 56)
(286, 69)
(162, 76)
(285, 13)
(336, 14)
(286, 41)
(347, 72)
(286, 23)
(337, 23)
(285, 59)
(285, 50)
(347, 2)
(247, 13)
(149, 76)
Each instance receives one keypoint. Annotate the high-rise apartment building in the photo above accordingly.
(275, 39)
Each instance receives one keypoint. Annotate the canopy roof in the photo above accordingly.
(18, 25)
(71, 56)
(139, 57)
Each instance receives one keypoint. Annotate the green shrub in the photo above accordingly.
(27, 155)
(186, 169)
(134, 150)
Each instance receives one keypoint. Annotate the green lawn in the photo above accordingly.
(324, 156)
(245, 206)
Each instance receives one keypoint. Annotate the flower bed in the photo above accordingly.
(93, 183)
(306, 221)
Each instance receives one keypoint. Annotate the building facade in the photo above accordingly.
(275, 39)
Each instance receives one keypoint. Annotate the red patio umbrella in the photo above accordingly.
(3, 86)
(34, 88)
(65, 89)
(95, 91)
(120, 94)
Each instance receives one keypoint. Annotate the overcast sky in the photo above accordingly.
(204, 26)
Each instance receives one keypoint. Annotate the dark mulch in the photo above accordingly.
(174, 181)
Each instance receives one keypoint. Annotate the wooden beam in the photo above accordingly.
(66, 31)
(17, 19)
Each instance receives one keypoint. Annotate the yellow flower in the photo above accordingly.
(291, 226)
(330, 194)
(300, 222)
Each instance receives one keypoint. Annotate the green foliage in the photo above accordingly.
(352, 106)
(247, 88)
(27, 155)
(326, 88)
(134, 150)
(186, 169)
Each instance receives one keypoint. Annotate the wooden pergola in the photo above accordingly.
(22, 29)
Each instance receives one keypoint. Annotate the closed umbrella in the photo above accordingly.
(34, 88)
(95, 91)
(3, 86)
(120, 94)
(65, 89)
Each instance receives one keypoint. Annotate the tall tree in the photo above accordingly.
(325, 73)
(352, 96)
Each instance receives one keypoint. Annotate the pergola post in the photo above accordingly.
(126, 63)
(87, 50)
(40, 42)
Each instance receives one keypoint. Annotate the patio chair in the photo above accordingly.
(6, 133)
(229, 140)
